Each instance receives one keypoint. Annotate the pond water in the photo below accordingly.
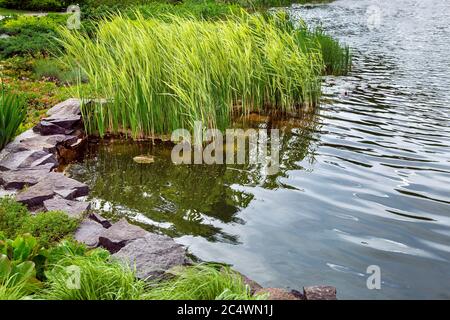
(365, 181)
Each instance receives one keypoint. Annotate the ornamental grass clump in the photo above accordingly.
(164, 74)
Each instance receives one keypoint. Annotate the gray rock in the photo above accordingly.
(46, 143)
(47, 128)
(98, 218)
(152, 255)
(17, 179)
(67, 122)
(52, 184)
(44, 158)
(74, 209)
(319, 293)
(119, 234)
(26, 159)
(70, 107)
(88, 233)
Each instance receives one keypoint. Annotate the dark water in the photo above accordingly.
(366, 181)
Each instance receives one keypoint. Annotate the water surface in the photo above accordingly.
(365, 181)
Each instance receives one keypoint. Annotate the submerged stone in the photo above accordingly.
(144, 159)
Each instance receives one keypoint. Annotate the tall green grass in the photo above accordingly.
(163, 75)
(202, 282)
(12, 114)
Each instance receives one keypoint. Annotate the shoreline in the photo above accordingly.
(27, 165)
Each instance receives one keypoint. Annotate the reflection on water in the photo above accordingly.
(184, 200)
(366, 182)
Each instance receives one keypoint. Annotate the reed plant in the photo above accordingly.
(162, 75)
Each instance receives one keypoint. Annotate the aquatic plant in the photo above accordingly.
(12, 114)
(163, 75)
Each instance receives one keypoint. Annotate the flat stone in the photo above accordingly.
(26, 159)
(88, 232)
(98, 218)
(47, 128)
(52, 184)
(47, 143)
(15, 145)
(17, 179)
(68, 122)
(119, 234)
(152, 255)
(70, 107)
(35, 195)
(45, 158)
(277, 294)
(74, 209)
(320, 293)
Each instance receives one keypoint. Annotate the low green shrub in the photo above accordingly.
(12, 217)
(54, 70)
(38, 5)
(30, 35)
(49, 227)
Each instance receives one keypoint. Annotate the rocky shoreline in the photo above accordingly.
(27, 166)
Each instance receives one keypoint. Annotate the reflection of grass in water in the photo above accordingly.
(192, 199)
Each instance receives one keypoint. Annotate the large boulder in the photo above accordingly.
(88, 233)
(74, 209)
(119, 234)
(18, 179)
(52, 184)
(152, 255)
